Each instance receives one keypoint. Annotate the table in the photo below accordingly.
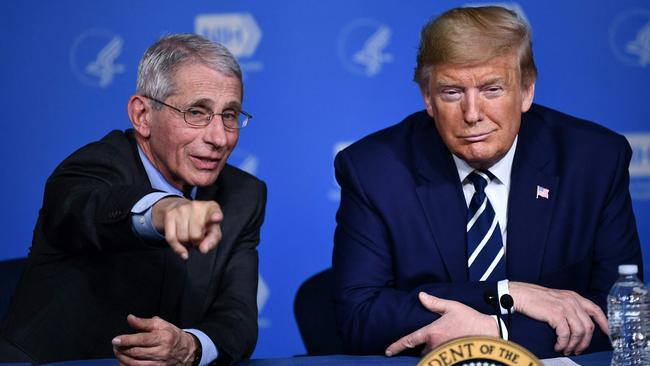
(594, 359)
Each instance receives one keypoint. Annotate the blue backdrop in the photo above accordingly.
(318, 75)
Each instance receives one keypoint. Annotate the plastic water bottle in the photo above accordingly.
(628, 311)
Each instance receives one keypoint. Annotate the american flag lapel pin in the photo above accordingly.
(542, 192)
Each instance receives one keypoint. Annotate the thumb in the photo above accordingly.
(432, 303)
(142, 324)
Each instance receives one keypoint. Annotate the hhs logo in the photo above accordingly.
(629, 37)
(93, 57)
(640, 165)
(263, 293)
(236, 31)
(362, 47)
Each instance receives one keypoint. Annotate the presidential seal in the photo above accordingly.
(480, 351)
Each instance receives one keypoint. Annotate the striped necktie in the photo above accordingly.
(485, 251)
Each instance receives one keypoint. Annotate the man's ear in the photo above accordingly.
(139, 111)
(426, 96)
(528, 92)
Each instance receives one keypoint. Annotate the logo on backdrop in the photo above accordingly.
(640, 165)
(263, 294)
(249, 163)
(239, 32)
(93, 57)
(362, 47)
(629, 37)
(334, 194)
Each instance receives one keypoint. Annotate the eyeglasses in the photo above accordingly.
(200, 117)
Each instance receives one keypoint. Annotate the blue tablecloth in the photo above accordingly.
(594, 359)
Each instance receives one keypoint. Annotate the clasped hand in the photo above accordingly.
(188, 223)
(569, 314)
(157, 343)
(456, 320)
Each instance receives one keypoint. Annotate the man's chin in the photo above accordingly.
(206, 179)
(480, 160)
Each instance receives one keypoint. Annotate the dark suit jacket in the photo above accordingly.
(87, 269)
(402, 217)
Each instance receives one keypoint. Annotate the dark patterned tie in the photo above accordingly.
(485, 251)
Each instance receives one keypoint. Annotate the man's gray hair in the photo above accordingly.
(160, 62)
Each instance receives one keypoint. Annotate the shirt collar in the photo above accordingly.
(157, 180)
(501, 169)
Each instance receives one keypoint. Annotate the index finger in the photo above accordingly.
(408, 341)
(135, 340)
(597, 314)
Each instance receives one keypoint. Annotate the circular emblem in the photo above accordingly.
(361, 47)
(93, 57)
(629, 37)
(480, 351)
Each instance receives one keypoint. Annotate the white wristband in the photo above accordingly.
(503, 289)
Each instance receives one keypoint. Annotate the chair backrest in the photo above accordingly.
(314, 311)
(10, 272)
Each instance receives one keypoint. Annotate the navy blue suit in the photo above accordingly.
(401, 226)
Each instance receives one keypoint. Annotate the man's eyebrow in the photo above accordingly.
(445, 83)
(493, 80)
(232, 105)
(202, 102)
(209, 103)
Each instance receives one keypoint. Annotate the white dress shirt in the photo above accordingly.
(143, 226)
(497, 192)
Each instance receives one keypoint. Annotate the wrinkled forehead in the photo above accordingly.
(502, 68)
(183, 70)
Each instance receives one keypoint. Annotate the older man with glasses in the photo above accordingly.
(145, 248)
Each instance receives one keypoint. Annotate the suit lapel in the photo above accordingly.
(529, 216)
(174, 274)
(441, 196)
(198, 269)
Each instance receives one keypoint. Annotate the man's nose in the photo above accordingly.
(472, 109)
(215, 133)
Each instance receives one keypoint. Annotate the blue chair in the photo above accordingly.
(10, 272)
(316, 317)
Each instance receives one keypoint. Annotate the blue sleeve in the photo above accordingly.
(210, 352)
(141, 215)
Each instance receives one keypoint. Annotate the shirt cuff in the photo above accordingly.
(504, 329)
(503, 289)
(210, 352)
(141, 215)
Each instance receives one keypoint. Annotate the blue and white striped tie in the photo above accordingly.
(485, 251)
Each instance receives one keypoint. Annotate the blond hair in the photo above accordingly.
(464, 36)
